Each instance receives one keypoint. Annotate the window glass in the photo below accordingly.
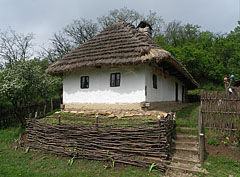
(115, 79)
(154, 78)
(84, 82)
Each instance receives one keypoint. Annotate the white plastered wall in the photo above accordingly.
(131, 90)
(166, 87)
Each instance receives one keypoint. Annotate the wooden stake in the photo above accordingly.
(36, 114)
(51, 104)
(44, 110)
(202, 148)
(59, 119)
(96, 120)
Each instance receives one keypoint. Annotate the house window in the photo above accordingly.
(84, 82)
(154, 78)
(115, 80)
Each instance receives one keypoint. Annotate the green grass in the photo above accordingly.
(188, 117)
(19, 163)
(52, 112)
(221, 166)
(35, 163)
(90, 119)
(65, 121)
(217, 166)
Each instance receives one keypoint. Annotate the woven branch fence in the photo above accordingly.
(221, 110)
(138, 144)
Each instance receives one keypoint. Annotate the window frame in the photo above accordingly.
(154, 80)
(115, 79)
(84, 80)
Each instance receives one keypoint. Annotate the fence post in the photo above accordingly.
(44, 110)
(201, 136)
(97, 121)
(202, 147)
(30, 115)
(59, 119)
(51, 104)
(36, 114)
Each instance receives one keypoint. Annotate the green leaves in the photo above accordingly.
(71, 161)
(209, 57)
(27, 150)
(151, 168)
(26, 82)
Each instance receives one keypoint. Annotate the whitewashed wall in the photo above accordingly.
(166, 87)
(131, 90)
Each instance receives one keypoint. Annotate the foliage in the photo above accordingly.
(133, 17)
(26, 82)
(235, 143)
(213, 141)
(209, 57)
(71, 161)
(151, 168)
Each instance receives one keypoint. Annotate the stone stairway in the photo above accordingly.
(184, 160)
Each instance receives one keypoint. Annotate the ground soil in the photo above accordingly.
(169, 106)
(228, 151)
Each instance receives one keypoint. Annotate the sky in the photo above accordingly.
(44, 17)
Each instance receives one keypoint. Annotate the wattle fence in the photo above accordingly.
(133, 143)
(8, 116)
(221, 111)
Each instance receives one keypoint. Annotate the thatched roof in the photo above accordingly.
(120, 44)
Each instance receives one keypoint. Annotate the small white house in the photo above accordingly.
(121, 68)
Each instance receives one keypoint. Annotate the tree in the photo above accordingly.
(80, 31)
(15, 47)
(72, 36)
(26, 82)
(133, 17)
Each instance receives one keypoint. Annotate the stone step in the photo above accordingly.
(185, 160)
(189, 150)
(186, 144)
(187, 128)
(186, 168)
(185, 156)
(186, 138)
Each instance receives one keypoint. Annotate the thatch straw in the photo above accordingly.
(119, 44)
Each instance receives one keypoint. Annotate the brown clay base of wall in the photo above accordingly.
(167, 106)
(164, 106)
(102, 106)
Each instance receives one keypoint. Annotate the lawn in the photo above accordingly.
(35, 163)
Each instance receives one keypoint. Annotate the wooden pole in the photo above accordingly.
(202, 147)
(59, 119)
(51, 104)
(36, 114)
(97, 121)
(44, 110)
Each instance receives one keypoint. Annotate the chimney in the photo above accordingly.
(145, 28)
